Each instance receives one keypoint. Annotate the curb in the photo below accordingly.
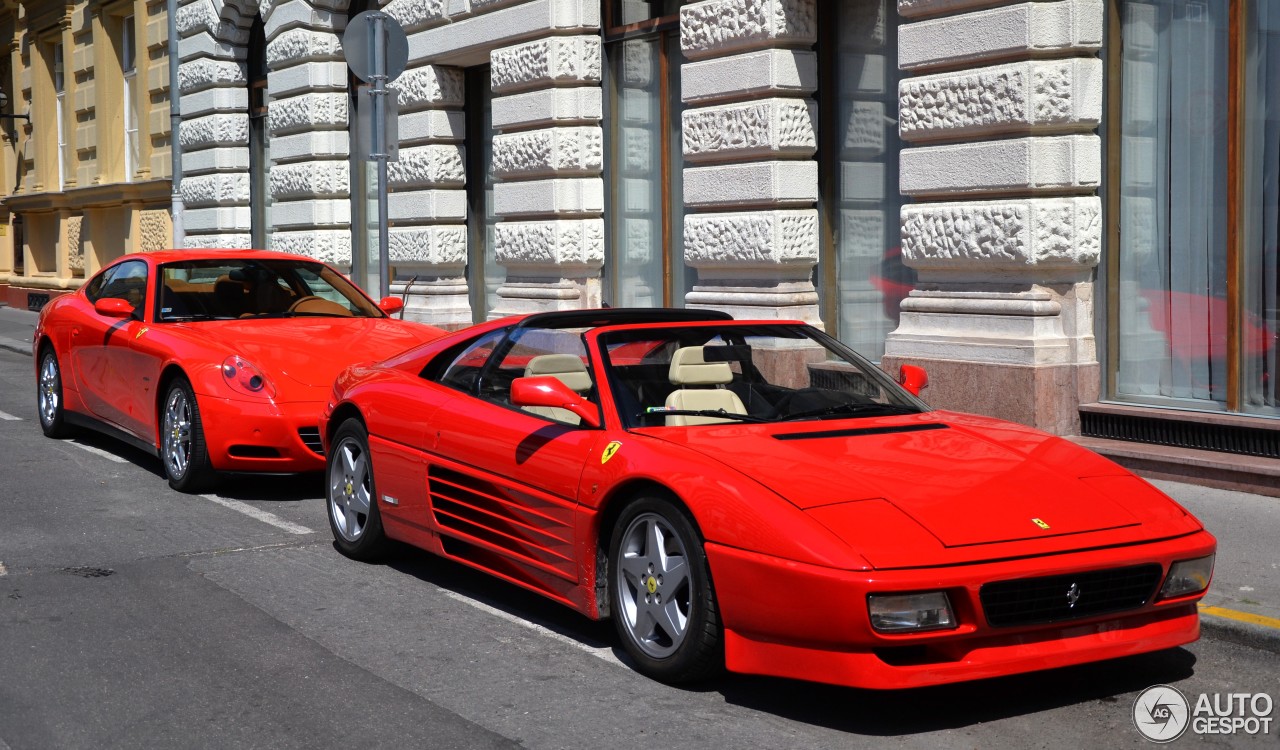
(14, 345)
(1240, 627)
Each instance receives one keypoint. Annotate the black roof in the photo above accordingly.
(619, 316)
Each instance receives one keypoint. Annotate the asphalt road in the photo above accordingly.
(133, 616)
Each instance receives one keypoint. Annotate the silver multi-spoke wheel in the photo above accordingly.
(653, 581)
(661, 597)
(353, 511)
(176, 433)
(182, 445)
(349, 489)
(50, 390)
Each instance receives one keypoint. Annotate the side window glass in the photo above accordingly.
(128, 281)
(541, 353)
(464, 371)
(93, 290)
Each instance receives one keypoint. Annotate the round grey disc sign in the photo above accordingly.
(358, 46)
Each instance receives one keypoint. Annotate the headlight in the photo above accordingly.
(245, 377)
(901, 613)
(1187, 577)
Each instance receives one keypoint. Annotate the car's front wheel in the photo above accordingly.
(661, 596)
(182, 446)
(351, 498)
(53, 420)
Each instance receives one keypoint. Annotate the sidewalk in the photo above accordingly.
(16, 327)
(1243, 603)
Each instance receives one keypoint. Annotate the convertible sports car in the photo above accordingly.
(756, 495)
(215, 360)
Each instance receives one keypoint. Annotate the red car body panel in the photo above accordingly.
(801, 520)
(113, 369)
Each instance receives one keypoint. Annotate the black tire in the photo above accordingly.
(351, 497)
(670, 628)
(182, 447)
(49, 403)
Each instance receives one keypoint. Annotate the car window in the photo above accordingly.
(126, 281)
(463, 372)
(558, 353)
(227, 288)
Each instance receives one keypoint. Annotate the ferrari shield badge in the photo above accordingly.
(609, 451)
(1040, 523)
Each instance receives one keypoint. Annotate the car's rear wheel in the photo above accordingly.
(661, 596)
(352, 500)
(49, 396)
(182, 446)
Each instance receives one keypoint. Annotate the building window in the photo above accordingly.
(60, 108)
(484, 274)
(861, 279)
(129, 69)
(644, 264)
(259, 136)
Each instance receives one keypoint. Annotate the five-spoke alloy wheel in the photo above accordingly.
(182, 446)
(49, 396)
(351, 499)
(661, 596)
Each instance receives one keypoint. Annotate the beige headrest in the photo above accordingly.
(568, 368)
(688, 367)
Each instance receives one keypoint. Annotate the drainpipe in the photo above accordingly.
(175, 125)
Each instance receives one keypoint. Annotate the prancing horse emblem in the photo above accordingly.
(1073, 595)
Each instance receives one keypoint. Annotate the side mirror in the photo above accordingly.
(546, 390)
(391, 305)
(113, 307)
(913, 378)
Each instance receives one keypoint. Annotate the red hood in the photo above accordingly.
(941, 487)
(312, 351)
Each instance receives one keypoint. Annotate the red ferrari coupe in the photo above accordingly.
(757, 496)
(215, 360)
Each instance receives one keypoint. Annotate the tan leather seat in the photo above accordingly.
(689, 367)
(568, 369)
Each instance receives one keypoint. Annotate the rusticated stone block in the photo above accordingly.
(561, 196)
(203, 73)
(310, 179)
(759, 239)
(435, 165)
(720, 27)
(1072, 162)
(546, 62)
(772, 127)
(549, 152)
(564, 242)
(328, 245)
(1035, 95)
(430, 87)
(548, 107)
(1010, 235)
(215, 190)
(753, 74)
(768, 183)
(303, 45)
(215, 130)
(307, 112)
(441, 245)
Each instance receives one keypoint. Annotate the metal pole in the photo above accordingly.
(379, 78)
(175, 125)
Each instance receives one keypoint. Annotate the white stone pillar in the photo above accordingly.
(547, 162)
(749, 137)
(1005, 231)
(428, 208)
(309, 177)
(215, 127)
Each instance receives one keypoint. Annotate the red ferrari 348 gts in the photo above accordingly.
(755, 495)
(215, 360)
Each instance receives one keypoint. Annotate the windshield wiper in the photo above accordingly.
(839, 410)
(716, 413)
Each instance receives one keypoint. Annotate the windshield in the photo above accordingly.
(744, 373)
(230, 288)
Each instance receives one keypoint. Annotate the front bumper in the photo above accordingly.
(800, 621)
(262, 436)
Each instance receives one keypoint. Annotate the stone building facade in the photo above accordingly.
(85, 164)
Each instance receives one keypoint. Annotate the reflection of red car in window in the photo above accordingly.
(894, 281)
(1195, 328)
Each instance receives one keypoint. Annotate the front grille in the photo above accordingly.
(311, 438)
(1036, 601)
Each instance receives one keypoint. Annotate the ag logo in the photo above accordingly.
(609, 450)
(1161, 713)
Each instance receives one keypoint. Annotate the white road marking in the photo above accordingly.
(604, 654)
(261, 515)
(3, 570)
(7, 417)
(99, 452)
